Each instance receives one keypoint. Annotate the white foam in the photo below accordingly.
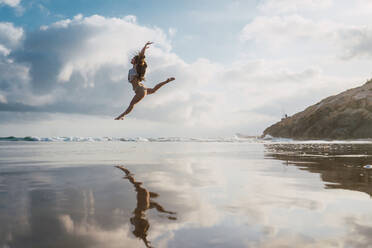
(235, 139)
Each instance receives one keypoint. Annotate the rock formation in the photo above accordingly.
(347, 115)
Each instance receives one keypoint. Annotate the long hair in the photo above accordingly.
(141, 66)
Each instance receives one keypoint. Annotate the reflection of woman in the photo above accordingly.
(135, 76)
(144, 202)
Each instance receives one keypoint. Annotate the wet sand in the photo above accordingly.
(123, 194)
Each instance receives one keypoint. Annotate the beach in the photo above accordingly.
(142, 193)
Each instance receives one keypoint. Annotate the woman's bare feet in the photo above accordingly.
(169, 79)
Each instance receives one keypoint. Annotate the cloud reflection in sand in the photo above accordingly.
(225, 195)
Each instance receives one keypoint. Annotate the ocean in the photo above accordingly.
(178, 192)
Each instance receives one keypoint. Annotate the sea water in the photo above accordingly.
(61, 192)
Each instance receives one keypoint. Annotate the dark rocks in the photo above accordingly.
(347, 115)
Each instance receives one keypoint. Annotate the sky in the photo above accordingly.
(239, 65)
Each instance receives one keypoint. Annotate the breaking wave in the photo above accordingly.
(235, 139)
(136, 139)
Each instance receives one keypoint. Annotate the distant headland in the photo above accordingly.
(347, 115)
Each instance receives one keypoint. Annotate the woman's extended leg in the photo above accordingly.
(138, 97)
(153, 90)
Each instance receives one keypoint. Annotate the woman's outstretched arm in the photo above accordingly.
(142, 52)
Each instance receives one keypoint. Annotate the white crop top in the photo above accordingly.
(131, 74)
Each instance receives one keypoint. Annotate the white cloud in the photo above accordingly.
(172, 32)
(285, 6)
(15, 4)
(10, 36)
(11, 3)
(14, 81)
(44, 10)
(296, 35)
(130, 18)
(13, 76)
(4, 51)
(105, 42)
(279, 30)
(358, 41)
(3, 99)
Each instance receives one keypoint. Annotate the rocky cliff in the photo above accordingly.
(347, 115)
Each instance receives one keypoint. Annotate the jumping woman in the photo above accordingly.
(135, 76)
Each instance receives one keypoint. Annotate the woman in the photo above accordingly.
(135, 76)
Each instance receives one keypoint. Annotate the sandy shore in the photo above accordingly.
(184, 195)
